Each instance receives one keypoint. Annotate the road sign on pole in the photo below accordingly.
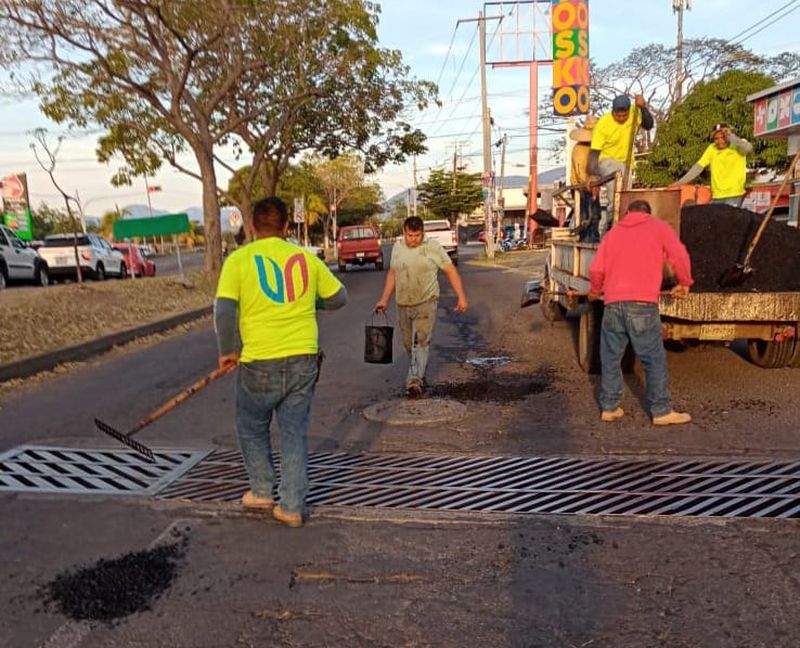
(299, 210)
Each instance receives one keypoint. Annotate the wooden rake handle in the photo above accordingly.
(763, 225)
(179, 398)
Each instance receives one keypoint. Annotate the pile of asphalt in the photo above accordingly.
(114, 588)
(717, 237)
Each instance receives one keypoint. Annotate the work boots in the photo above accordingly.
(673, 418)
(252, 501)
(614, 415)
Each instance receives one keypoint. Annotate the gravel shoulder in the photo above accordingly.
(36, 320)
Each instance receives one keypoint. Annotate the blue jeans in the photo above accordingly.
(736, 201)
(284, 386)
(639, 323)
(416, 327)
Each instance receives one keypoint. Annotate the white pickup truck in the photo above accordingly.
(442, 231)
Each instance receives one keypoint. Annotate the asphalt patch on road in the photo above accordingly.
(489, 386)
(112, 589)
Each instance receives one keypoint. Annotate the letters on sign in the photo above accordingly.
(570, 23)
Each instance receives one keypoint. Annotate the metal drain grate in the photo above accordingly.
(45, 469)
(556, 485)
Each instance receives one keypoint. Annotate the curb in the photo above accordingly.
(46, 361)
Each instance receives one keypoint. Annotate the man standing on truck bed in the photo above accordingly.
(726, 159)
(611, 142)
(413, 272)
(627, 271)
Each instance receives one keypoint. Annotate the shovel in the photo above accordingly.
(741, 271)
(125, 437)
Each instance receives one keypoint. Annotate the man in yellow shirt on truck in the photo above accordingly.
(726, 159)
(611, 141)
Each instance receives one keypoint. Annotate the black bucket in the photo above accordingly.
(378, 343)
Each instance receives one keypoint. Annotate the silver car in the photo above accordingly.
(19, 261)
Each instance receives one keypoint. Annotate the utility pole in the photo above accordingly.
(415, 185)
(500, 200)
(487, 144)
(678, 7)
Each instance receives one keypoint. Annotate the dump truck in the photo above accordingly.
(768, 321)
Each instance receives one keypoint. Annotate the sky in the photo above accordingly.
(437, 49)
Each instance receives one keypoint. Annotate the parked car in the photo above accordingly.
(358, 244)
(442, 231)
(136, 259)
(97, 258)
(20, 262)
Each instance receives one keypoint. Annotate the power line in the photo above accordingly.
(447, 56)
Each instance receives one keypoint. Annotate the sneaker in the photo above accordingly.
(294, 520)
(413, 390)
(251, 500)
(673, 418)
(613, 415)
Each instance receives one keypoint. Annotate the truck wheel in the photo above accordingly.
(589, 339)
(795, 361)
(342, 267)
(771, 355)
(100, 273)
(379, 264)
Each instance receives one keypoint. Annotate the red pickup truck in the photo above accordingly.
(358, 244)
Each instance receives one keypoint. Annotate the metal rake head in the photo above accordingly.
(124, 438)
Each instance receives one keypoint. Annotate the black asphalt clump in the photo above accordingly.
(717, 237)
(115, 588)
(502, 388)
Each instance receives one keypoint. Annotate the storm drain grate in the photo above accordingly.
(556, 485)
(44, 469)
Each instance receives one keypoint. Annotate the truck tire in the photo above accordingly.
(589, 339)
(770, 354)
(795, 361)
(379, 264)
(342, 267)
(41, 277)
(3, 277)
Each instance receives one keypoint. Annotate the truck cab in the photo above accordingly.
(358, 245)
(442, 231)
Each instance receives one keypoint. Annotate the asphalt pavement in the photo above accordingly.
(366, 576)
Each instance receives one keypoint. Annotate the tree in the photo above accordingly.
(265, 79)
(340, 178)
(681, 141)
(363, 204)
(49, 220)
(447, 197)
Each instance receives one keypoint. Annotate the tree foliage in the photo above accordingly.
(189, 83)
(682, 139)
(446, 196)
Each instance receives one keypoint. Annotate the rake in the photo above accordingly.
(125, 437)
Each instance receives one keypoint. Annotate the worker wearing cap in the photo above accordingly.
(611, 141)
(579, 175)
(726, 160)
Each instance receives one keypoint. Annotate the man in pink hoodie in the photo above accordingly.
(627, 272)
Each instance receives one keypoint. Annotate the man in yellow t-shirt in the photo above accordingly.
(611, 141)
(726, 159)
(273, 289)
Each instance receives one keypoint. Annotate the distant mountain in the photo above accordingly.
(142, 211)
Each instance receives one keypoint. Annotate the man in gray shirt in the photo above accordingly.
(413, 277)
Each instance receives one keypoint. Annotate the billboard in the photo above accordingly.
(777, 111)
(570, 21)
(16, 207)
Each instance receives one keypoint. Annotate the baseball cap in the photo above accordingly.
(718, 127)
(620, 103)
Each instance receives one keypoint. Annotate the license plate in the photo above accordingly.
(61, 260)
(359, 255)
(717, 331)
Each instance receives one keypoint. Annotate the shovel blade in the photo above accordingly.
(124, 438)
(735, 276)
